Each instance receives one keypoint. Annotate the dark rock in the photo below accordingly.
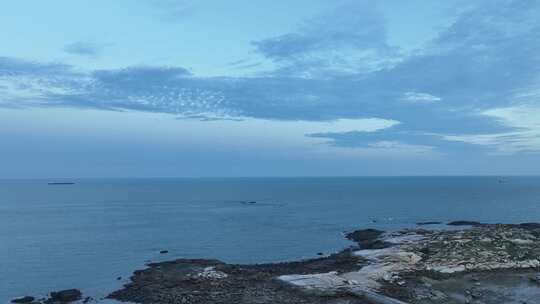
(364, 235)
(428, 223)
(530, 225)
(425, 250)
(320, 253)
(179, 282)
(164, 251)
(26, 299)
(87, 299)
(68, 295)
(464, 223)
(367, 238)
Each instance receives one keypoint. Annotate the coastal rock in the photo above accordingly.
(320, 281)
(437, 252)
(428, 223)
(65, 296)
(367, 238)
(464, 223)
(530, 226)
(214, 282)
(23, 300)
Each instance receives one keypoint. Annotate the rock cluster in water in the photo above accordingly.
(56, 297)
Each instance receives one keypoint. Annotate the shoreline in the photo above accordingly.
(481, 263)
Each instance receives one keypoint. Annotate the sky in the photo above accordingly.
(214, 88)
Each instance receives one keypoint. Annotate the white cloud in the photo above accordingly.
(416, 97)
(525, 136)
(396, 145)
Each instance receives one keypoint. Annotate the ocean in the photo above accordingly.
(88, 234)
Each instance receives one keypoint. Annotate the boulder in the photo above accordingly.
(367, 238)
(68, 295)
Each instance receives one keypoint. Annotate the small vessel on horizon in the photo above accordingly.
(61, 183)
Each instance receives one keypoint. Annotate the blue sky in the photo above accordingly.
(269, 88)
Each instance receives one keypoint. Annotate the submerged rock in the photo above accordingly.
(464, 223)
(428, 223)
(26, 299)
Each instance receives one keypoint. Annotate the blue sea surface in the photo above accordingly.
(86, 235)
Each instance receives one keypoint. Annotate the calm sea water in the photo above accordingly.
(88, 234)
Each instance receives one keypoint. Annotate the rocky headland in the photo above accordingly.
(480, 263)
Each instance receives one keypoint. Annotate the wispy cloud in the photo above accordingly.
(173, 10)
(351, 38)
(416, 97)
(525, 137)
(82, 48)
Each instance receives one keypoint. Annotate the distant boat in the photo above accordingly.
(61, 183)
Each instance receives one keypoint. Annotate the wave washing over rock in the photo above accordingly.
(489, 264)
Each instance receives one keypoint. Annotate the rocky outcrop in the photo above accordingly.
(65, 296)
(214, 282)
(367, 238)
(409, 254)
(484, 263)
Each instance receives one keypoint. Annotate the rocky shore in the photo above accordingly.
(481, 263)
